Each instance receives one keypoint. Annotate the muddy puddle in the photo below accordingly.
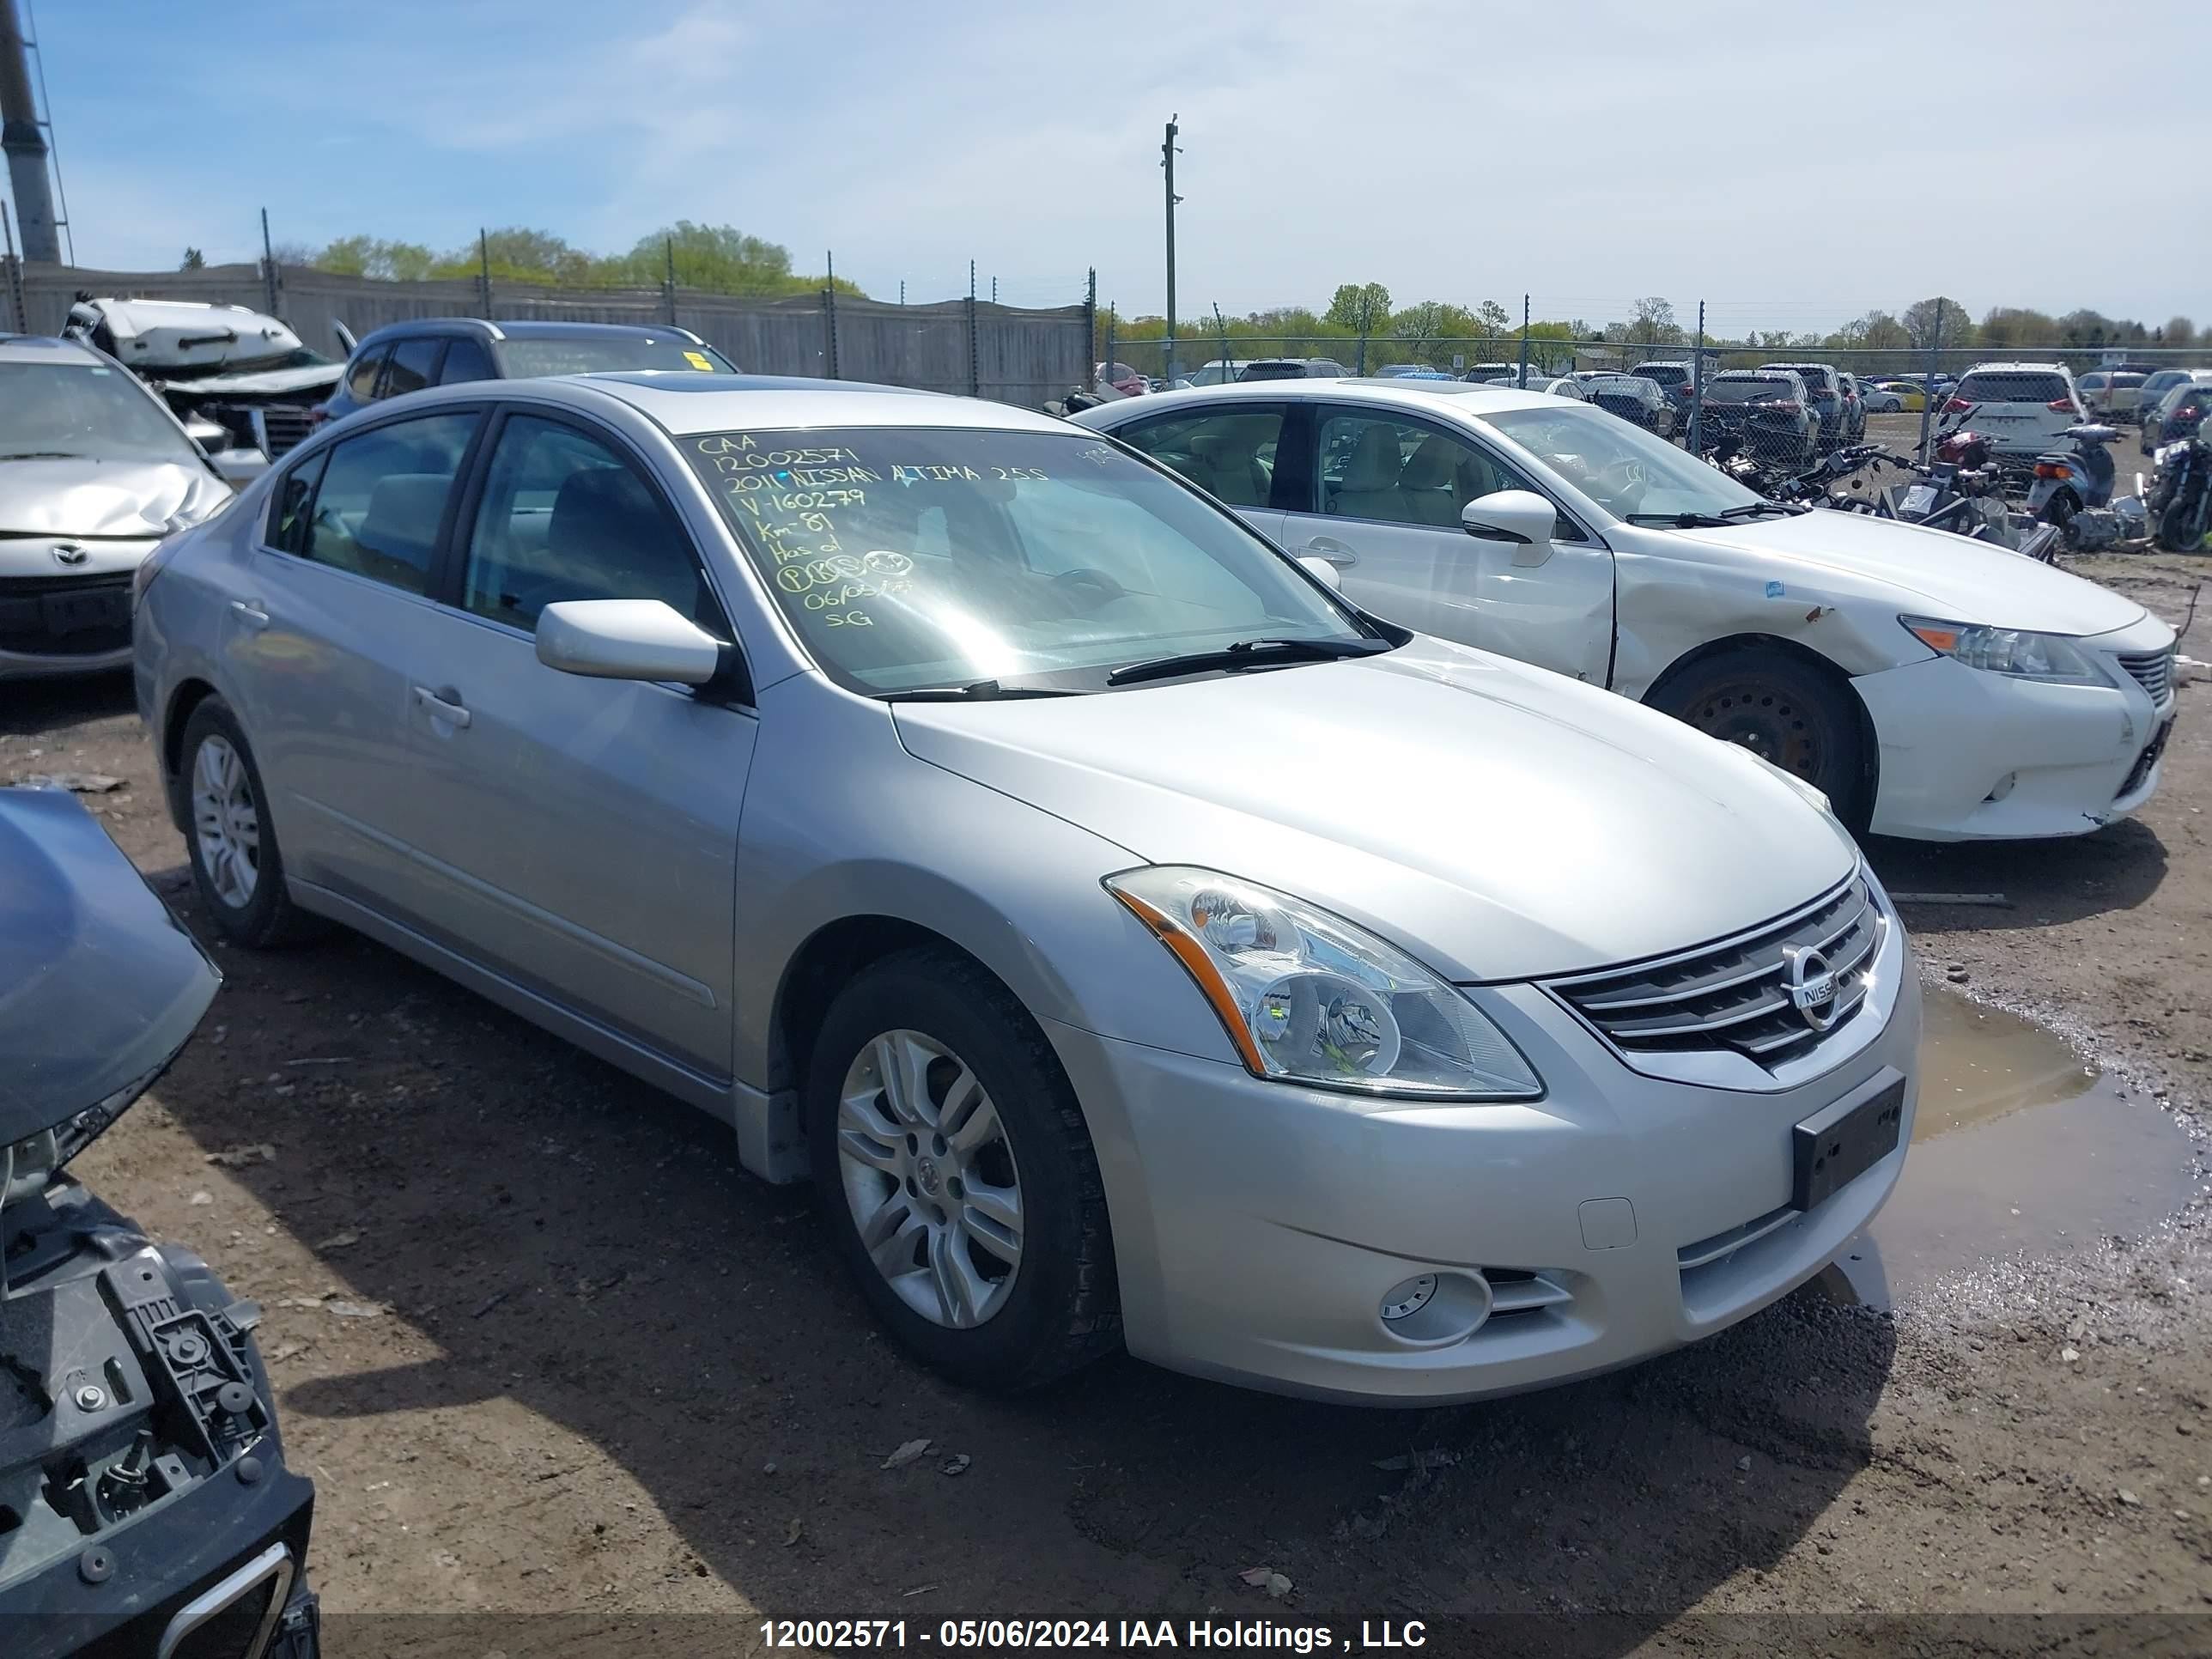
(2018, 1148)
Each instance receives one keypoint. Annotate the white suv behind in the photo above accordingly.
(2021, 408)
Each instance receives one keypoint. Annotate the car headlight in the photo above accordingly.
(1307, 997)
(2054, 658)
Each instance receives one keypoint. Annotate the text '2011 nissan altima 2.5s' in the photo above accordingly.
(1137, 943)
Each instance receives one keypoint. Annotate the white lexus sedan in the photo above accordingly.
(1931, 686)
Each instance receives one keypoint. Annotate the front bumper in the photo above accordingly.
(1258, 1227)
(65, 605)
(1971, 756)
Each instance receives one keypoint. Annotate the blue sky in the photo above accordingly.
(1793, 164)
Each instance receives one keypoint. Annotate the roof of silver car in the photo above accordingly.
(685, 402)
(44, 348)
(1472, 398)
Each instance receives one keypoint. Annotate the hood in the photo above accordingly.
(272, 383)
(100, 986)
(88, 497)
(1936, 572)
(1498, 821)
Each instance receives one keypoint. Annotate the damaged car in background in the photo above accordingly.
(145, 1505)
(93, 472)
(242, 383)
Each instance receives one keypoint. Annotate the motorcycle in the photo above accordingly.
(1960, 490)
(2072, 489)
(2180, 502)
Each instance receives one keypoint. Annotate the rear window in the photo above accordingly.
(1664, 374)
(1273, 372)
(1725, 391)
(587, 354)
(2124, 381)
(2011, 386)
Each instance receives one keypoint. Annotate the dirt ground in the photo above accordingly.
(547, 1352)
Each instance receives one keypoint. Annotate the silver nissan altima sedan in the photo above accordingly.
(1138, 945)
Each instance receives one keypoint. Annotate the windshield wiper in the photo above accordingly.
(43, 455)
(1247, 653)
(977, 691)
(1726, 515)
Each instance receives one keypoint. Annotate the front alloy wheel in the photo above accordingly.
(955, 1173)
(931, 1180)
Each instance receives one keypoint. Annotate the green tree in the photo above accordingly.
(1492, 318)
(1363, 307)
(2006, 328)
(1938, 323)
(2179, 331)
(193, 260)
(1419, 327)
(719, 258)
(372, 256)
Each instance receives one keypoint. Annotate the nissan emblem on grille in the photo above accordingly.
(70, 553)
(1812, 985)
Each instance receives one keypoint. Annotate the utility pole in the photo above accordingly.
(1698, 387)
(1523, 376)
(268, 265)
(25, 146)
(1928, 382)
(1167, 160)
(483, 271)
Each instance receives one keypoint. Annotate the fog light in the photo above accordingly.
(1402, 1301)
(1431, 1309)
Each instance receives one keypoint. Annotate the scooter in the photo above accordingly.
(2073, 489)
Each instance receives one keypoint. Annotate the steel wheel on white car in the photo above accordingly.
(235, 861)
(955, 1172)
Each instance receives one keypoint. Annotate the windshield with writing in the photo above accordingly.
(1620, 466)
(86, 409)
(909, 557)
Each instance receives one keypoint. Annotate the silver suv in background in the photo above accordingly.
(1843, 418)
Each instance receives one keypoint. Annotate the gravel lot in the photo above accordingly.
(546, 1350)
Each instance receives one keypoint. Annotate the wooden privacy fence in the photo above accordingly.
(1013, 355)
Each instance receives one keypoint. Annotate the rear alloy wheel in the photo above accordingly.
(235, 862)
(953, 1167)
(1785, 712)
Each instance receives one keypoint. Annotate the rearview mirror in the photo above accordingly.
(626, 640)
(1322, 571)
(1509, 515)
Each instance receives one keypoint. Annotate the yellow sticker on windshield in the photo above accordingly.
(700, 360)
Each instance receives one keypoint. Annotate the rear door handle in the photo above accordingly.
(453, 713)
(1326, 547)
(250, 612)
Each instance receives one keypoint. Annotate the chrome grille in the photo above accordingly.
(1735, 995)
(2153, 671)
(281, 425)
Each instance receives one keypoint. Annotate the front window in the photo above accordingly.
(1622, 467)
(911, 558)
(604, 354)
(86, 411)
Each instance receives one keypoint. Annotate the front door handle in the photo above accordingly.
(448, 707)
(250, 612)
(1328, 547)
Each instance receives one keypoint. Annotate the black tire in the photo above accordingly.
(1062, 1311)
(2173, 527)
(267, 917)
(1784, 710)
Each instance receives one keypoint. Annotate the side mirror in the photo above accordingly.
(1322, 571)
(1521, 516)
(626, 640)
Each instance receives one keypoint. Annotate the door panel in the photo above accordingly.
(1390, 491)
(581, 834)
(323, 640)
